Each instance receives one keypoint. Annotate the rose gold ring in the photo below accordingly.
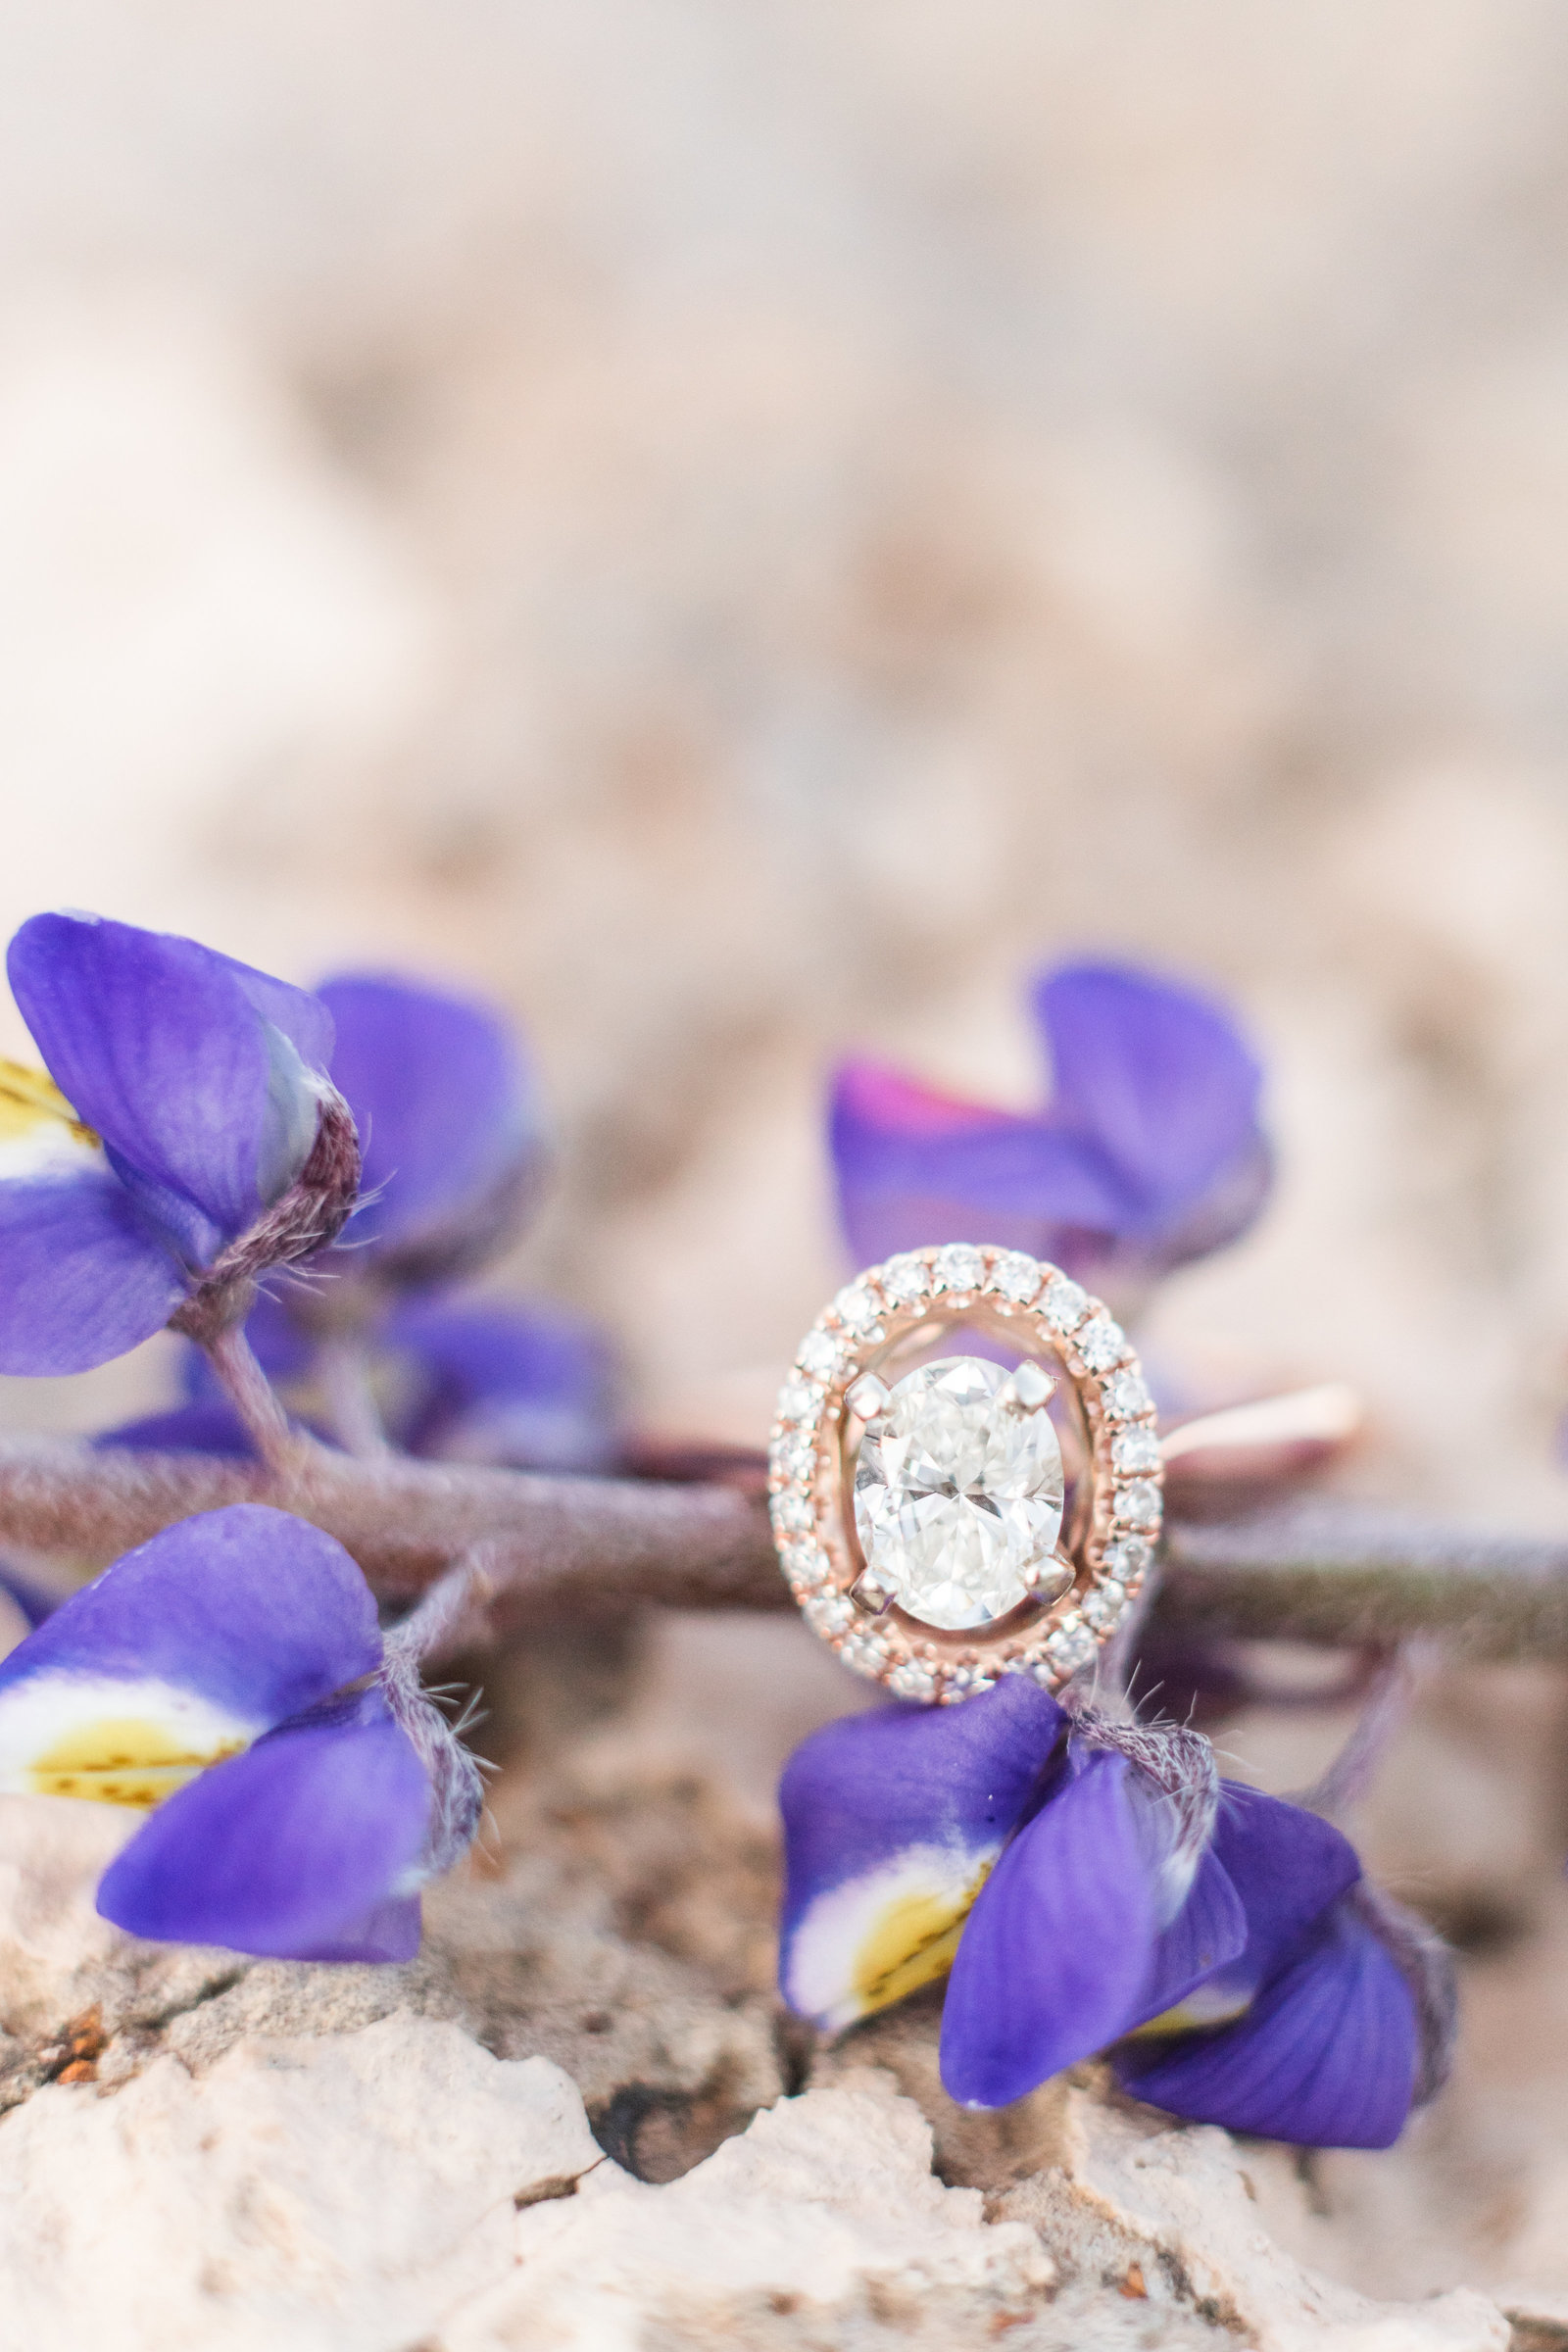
(946, 1518)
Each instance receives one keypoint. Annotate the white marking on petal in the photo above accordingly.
(128, 1740)
(852, 1941)
(40, 1134)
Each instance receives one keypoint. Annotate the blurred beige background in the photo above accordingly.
(739, 530)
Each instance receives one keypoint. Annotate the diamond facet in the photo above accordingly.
(956, 1499)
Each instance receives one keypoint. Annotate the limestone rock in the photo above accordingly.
(1171, 2213)
(334, 2193)
(825, 2205)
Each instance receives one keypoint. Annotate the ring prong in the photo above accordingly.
(870, 1594)
(1049, 1579)
(1027, 1389)
(868, 1396)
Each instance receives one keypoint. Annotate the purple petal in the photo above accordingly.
(1326, 2056)
(1287, 1866)
(888, 1821)
(443, 1104)
(1058, 1946)
(1209, 1931)
(306, 1848)
(83, 1279)
(210, 1425)
(1157, 1077)
(159, 1045)
(915, 1167)
(497, 1384)
(248, 1608)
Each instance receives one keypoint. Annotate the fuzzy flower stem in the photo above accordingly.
(253, 1397)
(451, 1610)
(1333, 1572)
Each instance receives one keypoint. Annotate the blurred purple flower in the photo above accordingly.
(450, 1125)
(186, 1139)
(230, 1676)
(452, 1147)
(473, 1381)
(1081, 1881)
(1147, 1153)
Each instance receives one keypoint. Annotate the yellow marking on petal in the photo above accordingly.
(123, 1760)
(29, 1100)
(911, 1943)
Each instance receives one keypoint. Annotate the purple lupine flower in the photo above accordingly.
(451, 1128)
(230, 1678)
(530, 1388)
(1079, 1882)
(1147, 1153)
(186, 1139)
(452, 1144)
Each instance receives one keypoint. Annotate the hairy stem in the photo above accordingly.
(1330, 1571)
(253, 1397)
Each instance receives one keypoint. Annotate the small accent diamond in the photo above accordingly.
(797, 1402)
(1017, 1275)
(857, 1309)
(865, 1652)
(1103, 1606)
(907, 1280)
(959, 1268)
(832, 1614)
(1071, 1646)
(910, 1681)
(805, 1565)
(793, 1514)
(1102, 1344)
(1128, 1557)
(1065, 1304)
(968, 1682)
(1138, 1504)
(1136, 1450)
(1125, 1397)
(819, 1355)
(793, 1455)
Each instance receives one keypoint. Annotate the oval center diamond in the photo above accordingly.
(957, 1494)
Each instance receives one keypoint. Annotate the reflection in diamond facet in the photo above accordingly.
(956, 1496)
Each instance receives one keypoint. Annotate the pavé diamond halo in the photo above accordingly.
(944, 1519)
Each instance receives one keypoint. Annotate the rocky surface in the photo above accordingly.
(579, 2120)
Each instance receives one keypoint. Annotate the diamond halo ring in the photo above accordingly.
(944, 1518)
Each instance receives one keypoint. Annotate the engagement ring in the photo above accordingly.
(946, 1518)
